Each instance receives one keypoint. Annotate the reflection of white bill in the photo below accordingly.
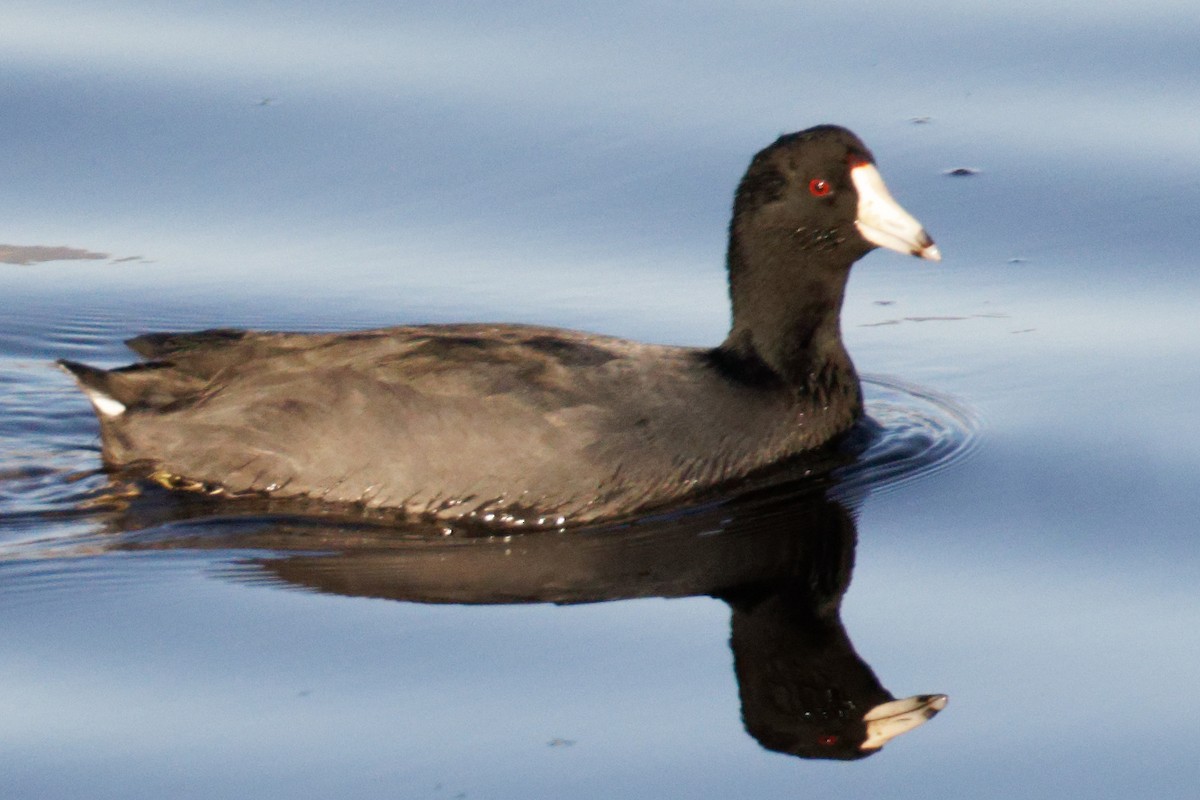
(886, 721)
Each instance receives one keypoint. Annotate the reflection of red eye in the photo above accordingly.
(819, 187)
(827, 740)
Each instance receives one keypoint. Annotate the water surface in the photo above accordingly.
(1023, 533)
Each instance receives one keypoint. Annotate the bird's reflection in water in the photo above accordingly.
(781, 560)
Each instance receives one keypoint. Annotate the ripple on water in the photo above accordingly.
(914, 433)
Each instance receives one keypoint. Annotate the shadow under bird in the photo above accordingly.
(533, 426)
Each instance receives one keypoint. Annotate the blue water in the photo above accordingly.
(1025, 537)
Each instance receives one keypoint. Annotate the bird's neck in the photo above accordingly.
(787, 306)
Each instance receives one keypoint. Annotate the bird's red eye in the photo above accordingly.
(819, 187)
(827, 740)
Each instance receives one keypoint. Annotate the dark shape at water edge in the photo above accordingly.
(25, 255)
(782, 561)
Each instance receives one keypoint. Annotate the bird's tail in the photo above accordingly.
(101, 387)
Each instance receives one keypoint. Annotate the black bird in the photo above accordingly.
(522, 425)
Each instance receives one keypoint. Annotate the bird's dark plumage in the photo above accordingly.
(506, 423)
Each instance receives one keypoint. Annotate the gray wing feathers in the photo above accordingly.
(437, 419)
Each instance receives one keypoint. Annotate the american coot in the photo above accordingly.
(528, 425)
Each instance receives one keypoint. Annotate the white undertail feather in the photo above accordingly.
(105, 405)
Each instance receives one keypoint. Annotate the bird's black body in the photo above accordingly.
(515, 423)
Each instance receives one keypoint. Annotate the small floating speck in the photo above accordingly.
(962, 172)
(885, 302)
(558, 742)
(1018, 260)
(920, 120)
